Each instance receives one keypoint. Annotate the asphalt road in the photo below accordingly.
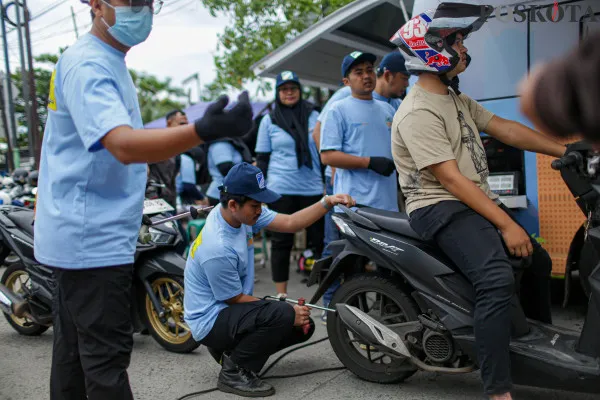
(157, 374)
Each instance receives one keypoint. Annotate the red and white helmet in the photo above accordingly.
(423, 41)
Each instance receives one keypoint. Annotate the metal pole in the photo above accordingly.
(403, 7)
(199, 87)
(9, 155)
(25, 90)
(74, 22)
(34, 117)
(11, 104)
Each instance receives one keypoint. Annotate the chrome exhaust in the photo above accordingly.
(12, 303)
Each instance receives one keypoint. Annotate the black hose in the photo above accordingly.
(262, 375)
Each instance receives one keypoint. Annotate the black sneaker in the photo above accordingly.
(242, 382)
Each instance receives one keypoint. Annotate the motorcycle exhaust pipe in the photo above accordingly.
(12, 303)
(376, 333)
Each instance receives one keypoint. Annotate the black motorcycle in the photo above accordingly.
(413, 309)
(157, 292)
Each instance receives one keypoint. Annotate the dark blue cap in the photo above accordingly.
(354, 58)
(393, 62)
(286, 76)
(247, 180)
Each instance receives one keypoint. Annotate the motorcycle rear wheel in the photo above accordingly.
(349, 348)
(173, 334)
(16, 278)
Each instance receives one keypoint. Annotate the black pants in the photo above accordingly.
(253, 331)
(93, 334)
(476, 247)
(282, 243)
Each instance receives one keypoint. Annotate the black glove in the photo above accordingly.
(216, 123)
(382, 165)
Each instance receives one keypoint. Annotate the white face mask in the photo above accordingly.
(131, 27)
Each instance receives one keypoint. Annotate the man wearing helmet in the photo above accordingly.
(443, 172)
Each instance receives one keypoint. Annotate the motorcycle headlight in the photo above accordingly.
(160, 237)
(343, 226)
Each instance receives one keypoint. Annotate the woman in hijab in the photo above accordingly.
(223, 154)
(288, 157)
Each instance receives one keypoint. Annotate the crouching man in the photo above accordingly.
(241, 331)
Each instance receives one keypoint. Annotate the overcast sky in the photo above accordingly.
(182, 42)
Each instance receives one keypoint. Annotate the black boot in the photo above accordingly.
(242, 382)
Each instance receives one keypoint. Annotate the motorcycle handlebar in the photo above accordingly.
(565, 161)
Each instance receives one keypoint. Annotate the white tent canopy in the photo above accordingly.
(316, 54)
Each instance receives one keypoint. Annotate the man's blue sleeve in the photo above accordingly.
(266, 217)
(221, 152)
(332, 133)
(263, 140)
(223, 277)
(95, 105)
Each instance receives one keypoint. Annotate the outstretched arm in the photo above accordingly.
(520, 136)
(309, 215)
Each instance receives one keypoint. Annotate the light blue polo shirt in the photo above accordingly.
(283, 175)
(342, 94)
(218, 153)
(362, 128)
(220, 266)
(89, 207)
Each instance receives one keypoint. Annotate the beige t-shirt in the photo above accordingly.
(427, 130)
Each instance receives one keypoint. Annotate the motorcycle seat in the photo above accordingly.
(23, 219)
(396, 222)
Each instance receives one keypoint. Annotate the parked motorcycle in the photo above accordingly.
(415, 312)
(157, 294)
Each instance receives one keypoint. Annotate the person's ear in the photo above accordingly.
(97, 7)
(346, 81)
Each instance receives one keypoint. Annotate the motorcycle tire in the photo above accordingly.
(160, 331)
(396, 371)
(21, 325)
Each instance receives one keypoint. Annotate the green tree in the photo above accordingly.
(157, 97)
(257, 28)
(43, 66)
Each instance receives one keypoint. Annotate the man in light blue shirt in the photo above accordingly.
(90, 196)
(241, 331)
(356, 139)
(392, 81)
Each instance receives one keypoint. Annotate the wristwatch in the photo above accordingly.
(325, 204)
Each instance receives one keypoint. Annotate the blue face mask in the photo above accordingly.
(131, 27)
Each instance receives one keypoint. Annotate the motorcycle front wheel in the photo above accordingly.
(16, 278)
(172, 332)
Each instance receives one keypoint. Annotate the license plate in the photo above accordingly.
(156, 206)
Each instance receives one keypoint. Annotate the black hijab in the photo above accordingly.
(294, 120)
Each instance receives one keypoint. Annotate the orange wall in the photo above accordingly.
(560, 217)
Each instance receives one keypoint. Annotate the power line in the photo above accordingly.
(48, 9)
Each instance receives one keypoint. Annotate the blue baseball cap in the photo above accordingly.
(285, 77)
(354, 58)
(247, 180)
(393, 62)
